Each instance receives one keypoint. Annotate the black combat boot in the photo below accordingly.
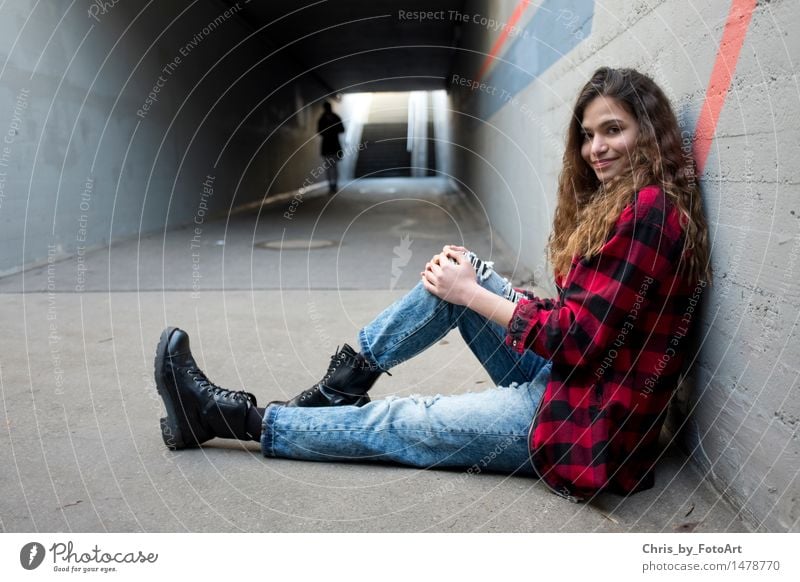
(197, 410)
(347, 380)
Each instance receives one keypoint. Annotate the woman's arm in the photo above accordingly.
(450, 276)
(492, 306)
(602, 295)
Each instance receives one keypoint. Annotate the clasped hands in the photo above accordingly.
(450, 276)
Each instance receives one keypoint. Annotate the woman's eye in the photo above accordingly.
(613, 130)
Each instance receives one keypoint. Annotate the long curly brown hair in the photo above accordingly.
(587, 209)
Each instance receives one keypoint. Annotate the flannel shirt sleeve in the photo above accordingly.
(529, 295)
(598, 296)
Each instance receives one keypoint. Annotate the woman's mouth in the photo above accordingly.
(599, 164)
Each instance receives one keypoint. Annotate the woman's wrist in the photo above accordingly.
(491, 306)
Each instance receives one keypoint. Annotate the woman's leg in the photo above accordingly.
(331, 172)
(480, 431)
(409, 326)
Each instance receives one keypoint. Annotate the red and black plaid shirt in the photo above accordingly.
(615, 336)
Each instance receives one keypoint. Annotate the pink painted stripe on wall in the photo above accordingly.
(498, 45)
(727, 56)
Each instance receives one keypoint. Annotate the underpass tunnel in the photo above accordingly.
(152, 118)
(173, 148)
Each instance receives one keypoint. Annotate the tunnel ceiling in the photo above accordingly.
(354, 46)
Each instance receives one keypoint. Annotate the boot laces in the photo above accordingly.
(217, 391)
(336, 361)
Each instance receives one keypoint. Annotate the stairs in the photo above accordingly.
(385, 153)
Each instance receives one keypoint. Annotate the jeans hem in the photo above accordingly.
(268, 430)
(366, 351)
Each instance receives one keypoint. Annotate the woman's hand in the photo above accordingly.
(450, 276)
(455, 248)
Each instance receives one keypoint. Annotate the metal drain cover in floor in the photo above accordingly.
(294, 244)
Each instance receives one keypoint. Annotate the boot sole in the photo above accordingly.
(362, 400)
(171, 430)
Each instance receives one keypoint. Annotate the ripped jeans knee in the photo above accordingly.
(484, 270)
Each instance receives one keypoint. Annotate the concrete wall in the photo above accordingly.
(740, 408)
(90, 159)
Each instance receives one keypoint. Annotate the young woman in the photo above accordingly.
(583, 379)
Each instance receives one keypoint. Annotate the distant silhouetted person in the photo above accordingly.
(329, 127)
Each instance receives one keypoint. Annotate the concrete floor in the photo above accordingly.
(82, 449)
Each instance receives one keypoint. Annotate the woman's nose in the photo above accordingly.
(599, 145)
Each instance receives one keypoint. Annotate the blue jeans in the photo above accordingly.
(479, 430)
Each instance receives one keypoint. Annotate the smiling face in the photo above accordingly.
(609, 137)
